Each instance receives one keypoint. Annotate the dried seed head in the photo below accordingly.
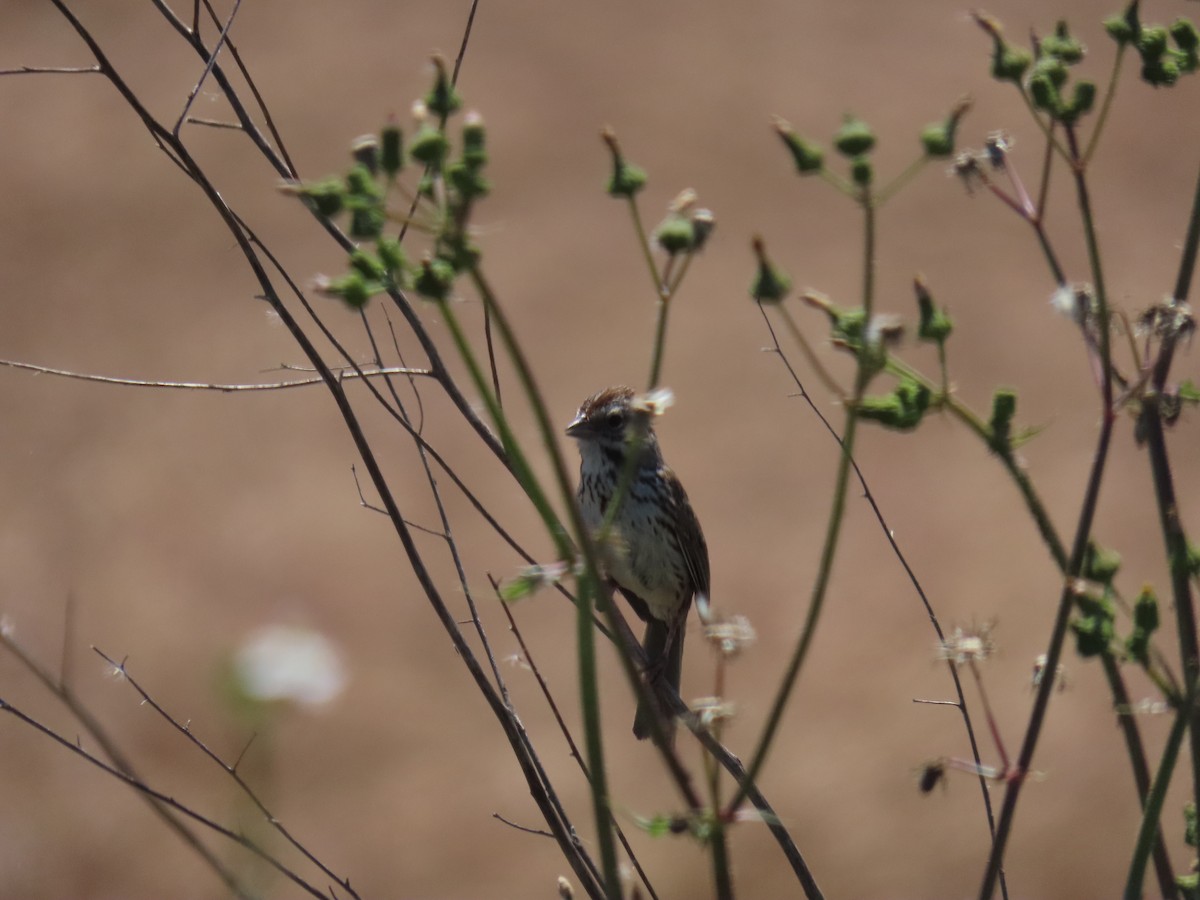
(968, 645)
(1039, 671)
(713, 710)
(730, 636)
(966, 169)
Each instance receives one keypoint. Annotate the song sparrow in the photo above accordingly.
(656, 556)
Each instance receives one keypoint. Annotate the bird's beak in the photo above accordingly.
(579, 428)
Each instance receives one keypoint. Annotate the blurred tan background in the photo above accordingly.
(179, 522)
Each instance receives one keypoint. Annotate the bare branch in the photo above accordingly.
(52, 70)
(342, 375)
(229, 770)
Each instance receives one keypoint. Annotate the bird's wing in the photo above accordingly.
(691, 538)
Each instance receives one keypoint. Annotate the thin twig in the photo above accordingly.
(185, 729)
(539, 832)
(168, 801)
(869, 495)
(62, 691)
(208, 67)
(212, 386)
(52, 70)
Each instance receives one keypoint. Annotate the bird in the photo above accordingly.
(656, 554)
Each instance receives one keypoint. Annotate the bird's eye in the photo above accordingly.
(615, 419)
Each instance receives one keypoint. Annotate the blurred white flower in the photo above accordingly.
(288, 662)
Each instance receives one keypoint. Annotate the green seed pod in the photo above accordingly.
(352, 288)
(1045, 95)
(703, 223)
(1119, 29)
(1162, 72)
(675, 234)
(367, 221)
(1124, 27)
(854, 138)
(391, 254)
(935, 325)
(1010, 63)
(429, 146)
(1152, 42)
(901, 410)
(1145, 611)
(467, 181)
(474, 137)
(365, 151)
(1081, 102)
(1061, 45)
(327, 197)
(361, 184)
(1004, 406)
(1100, 564)
(442, 99)
(1093, 636)
(367, 265)
(391, 156)
(1145, 623)
(937, 140)
(1052, 68)
(435, 279)
(809, 157)
(1185, 35)
(770, 285)
(861, 171)
(626, 179)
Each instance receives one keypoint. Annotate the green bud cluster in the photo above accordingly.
(378, 264)
(1162, 64)
(1047, 83)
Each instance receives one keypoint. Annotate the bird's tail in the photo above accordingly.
(664, 662)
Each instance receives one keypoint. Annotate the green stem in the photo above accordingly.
(893, 187)
(588, 584)
(660, 340)
(1109, 93)
(1187, 263)
(520, 465)
(644, 243)
(1019, 476)
(1141, 772)
(833, 528)
(1046, 125)
(1176, 543)
(1154, 804)
(720, 847)
(666, 293)
(1082, 533)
